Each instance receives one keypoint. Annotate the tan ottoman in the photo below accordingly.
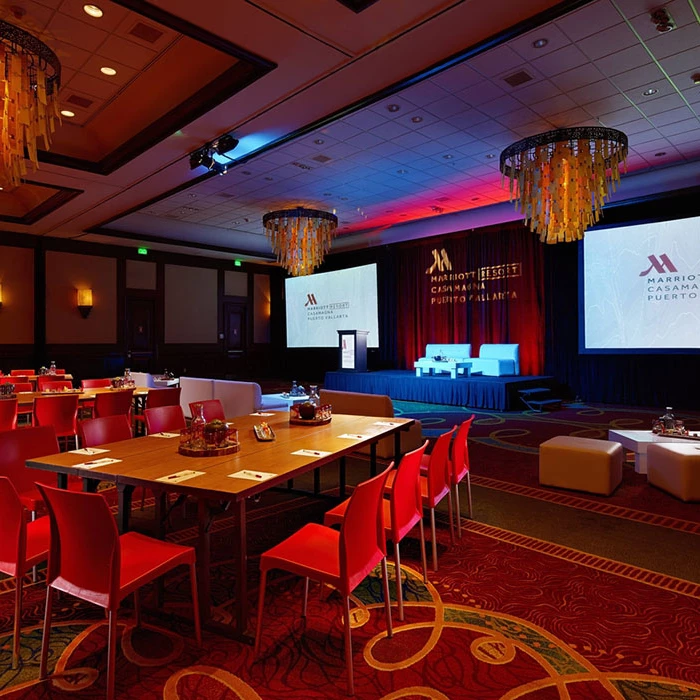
(675, 468)
(582, 464)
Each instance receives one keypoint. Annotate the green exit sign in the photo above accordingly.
(142, 251)
(237, 263)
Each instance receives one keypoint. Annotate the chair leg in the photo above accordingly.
(387, 599)
(306, 597)
(432, 532)
(111, 653)
(458, 515)
(137, 608)
(399, 592)
(261, 605)
(450, 516)
(33, 515)
(424, 558)
(348, 646)
(18, 619)
(469, 495)
(195, 604)
(46, 632)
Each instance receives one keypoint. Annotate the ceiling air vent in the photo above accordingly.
(80, 101)
(518, 78)
(303, 166)
(146, 32)
(321, 159)
(226, 195)
(442, 199)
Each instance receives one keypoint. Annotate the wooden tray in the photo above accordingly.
(312, 421)
(209, 452)
(262, 435)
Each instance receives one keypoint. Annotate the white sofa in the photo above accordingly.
(237, 398)
(497, 360)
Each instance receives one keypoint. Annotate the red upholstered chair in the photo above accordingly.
(459, 468)
(16, 447)
(21, 372)
(10, 379)
(402, 511)
(26, 410)
(91, 561)
(435, 483)
(60, 411)
(340, 559)
(100, 431)
(164, 419)
(52, 384)
(23, 545)
(96, 384)
(113, 403)
(23, 386)
(156, 398)
(213, 409)
(8, 414)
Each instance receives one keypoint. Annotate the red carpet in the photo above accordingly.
(504, 617)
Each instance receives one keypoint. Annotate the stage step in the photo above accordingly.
(539, 399)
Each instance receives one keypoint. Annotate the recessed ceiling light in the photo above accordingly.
(402, 171)
(490, 155)
(650, 91)
(107, 70)
(327, 194)
(695, 78)
(93, 11)
(540, 43)
(660, 153)
(269, 179)
(448, 156)
(393, 108)
(343, 199)
(319, 141)
(67, 113)
(416, 120)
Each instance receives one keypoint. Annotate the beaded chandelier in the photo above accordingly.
(300, 237)
(30, 76)
(561, 179)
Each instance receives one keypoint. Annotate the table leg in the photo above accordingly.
(640, 462)
(397, 448)
(373, 459)
(241, 569)
(341, 477)
(204, 520)
(62, 481)
(317, 481)
(453, 373)
(90, 485)
(124, 493)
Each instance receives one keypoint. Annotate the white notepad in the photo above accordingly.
(97, 463)
(252, 475)
(353, 436)
(88, 451)
(177, 477)
(165, 435)
(311, 453)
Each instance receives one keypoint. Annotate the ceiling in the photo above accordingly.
(393, 116)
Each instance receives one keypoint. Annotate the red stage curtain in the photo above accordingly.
(493, 293)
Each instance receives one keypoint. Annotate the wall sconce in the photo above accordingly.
(0, 296)
(85, 302)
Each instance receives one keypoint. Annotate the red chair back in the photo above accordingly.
(17, 446)
(8, 414)
(59, 371)
(438, 469)
(23, 386)
(12, 530)
(460, 452)
(213, 409)
(96, 383)
(13, 379)
(165, 419)
(53, 384)
(163, 397)
(362, 540)
(85, 551)
(21, 372)
(100, 431)
(114, 403)
(60, 411)
(406, 505)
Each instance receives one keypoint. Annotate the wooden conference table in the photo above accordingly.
(27, 397)
(153, 462)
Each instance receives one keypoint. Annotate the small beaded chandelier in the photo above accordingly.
(561, 179)
(300, 237)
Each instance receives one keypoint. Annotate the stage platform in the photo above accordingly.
(497, 393)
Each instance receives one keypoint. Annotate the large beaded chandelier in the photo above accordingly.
(561, 179)
(300, 237)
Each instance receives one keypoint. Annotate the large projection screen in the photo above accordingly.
(641, 287)
(319, 305)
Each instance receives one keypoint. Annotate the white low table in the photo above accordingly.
(637, 441)
(436, 366)
(289, 400)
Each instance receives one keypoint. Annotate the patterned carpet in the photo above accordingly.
(505, 617)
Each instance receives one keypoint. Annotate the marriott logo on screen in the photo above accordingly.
(671, 287)
(311, 300)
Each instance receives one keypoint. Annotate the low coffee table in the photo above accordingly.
(289, 400)
(637, 441)
(436, 366)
